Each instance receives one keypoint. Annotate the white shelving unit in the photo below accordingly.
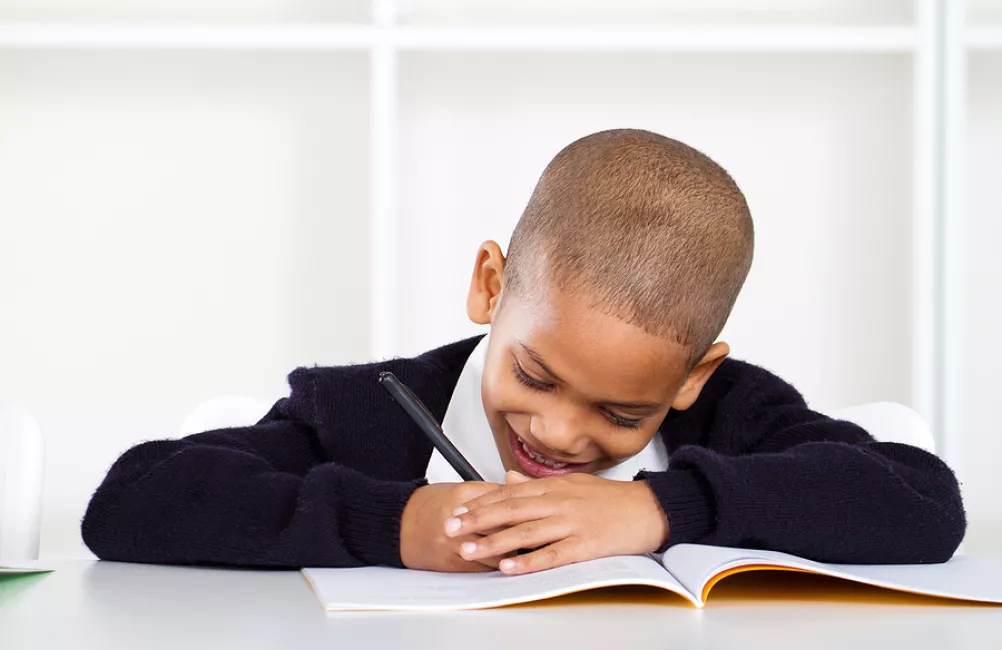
(297, 38)
(385, 40)
(938, 61)
(984, 38)
(282, 37)
(937, 41)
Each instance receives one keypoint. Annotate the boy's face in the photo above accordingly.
(568, 388)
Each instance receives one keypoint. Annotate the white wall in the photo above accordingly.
(201, 11)
(819, 144)
(176, 225)
(981, 449)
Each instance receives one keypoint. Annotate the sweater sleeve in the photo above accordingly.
(261, 495)
(806, 484)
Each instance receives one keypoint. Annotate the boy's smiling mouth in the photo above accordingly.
(536, 464)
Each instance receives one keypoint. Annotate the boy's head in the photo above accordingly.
(619, 277)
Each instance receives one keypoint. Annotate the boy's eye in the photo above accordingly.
(523, 378)
(528, 381)
(620, 421)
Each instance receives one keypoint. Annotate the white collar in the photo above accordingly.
(466, 425)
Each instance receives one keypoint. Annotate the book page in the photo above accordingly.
(697, 568)
(695, 565)
(383, 588)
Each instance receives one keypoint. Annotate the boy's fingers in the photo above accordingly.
(478, 564)
(489, 562)
(503, 493)
(531, 534)
(474, 489)
(496, 516)
(565, 551)
(513, 477)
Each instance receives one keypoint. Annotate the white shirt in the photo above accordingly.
(467, 427)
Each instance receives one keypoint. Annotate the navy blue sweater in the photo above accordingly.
(323, 478)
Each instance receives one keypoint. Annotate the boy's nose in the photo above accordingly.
(562, 435)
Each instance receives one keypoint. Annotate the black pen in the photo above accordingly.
(426, 422)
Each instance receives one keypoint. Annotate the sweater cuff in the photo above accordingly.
(370, 519)
(686, 499)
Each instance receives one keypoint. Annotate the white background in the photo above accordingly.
(184, 221)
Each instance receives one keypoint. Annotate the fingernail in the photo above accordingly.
(453, 525)
(506, 565)
(461, 510)
(468, 548)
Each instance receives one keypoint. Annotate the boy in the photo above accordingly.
(601, 389)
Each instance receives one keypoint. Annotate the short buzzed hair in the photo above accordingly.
(644, 227)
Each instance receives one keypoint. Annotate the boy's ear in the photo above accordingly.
(486, 283)
(699, 375)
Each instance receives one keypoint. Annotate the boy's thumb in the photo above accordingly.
(514, 477)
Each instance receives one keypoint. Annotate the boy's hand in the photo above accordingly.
(566, 519)
(423, 542)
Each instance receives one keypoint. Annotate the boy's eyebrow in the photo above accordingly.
(535, 357)
(635, 406)
(630, 406)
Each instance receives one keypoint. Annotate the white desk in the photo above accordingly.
(89, 605)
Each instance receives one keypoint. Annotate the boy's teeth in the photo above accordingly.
(539, 459)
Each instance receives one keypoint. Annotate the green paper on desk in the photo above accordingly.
(22, 567)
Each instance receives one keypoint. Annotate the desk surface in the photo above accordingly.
(88, 605)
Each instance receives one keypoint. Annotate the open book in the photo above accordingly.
(689, 570)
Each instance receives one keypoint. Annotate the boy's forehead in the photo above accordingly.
(592, 346)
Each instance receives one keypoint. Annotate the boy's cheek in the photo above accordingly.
(504, 398)
(628, 446)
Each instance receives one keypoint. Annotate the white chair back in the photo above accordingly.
(21, 466)
(223, 412)
(885, 421)
(890, 422)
